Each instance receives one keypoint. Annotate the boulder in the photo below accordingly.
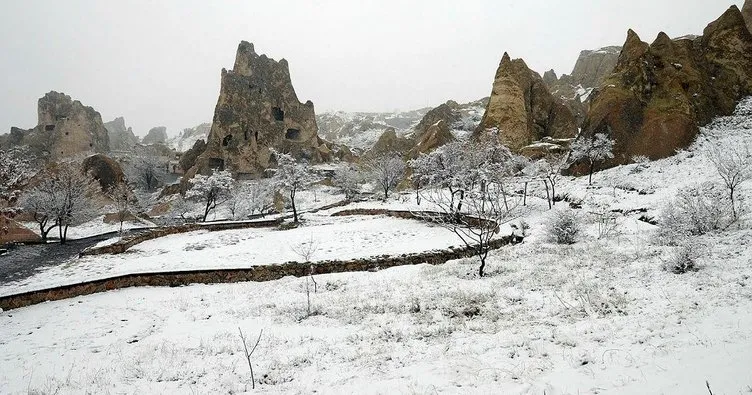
(65, 128)
(257, 111)
(660, 93)
(522, 108)
(105, 170)
(121, 137)
(13, 232)
(156, 135)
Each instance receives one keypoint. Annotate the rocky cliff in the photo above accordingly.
(747, 13)
(156, 135)
(522, 108)
(121, 137)
(257, 111)
(659, 93)
(65, 128)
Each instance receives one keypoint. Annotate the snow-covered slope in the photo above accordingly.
(185, 140)
(600, 316)
(360, 130)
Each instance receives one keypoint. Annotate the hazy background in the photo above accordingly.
(158, 62)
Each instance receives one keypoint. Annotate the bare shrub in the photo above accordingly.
(695, 211)
(684, 260)
(564, 227)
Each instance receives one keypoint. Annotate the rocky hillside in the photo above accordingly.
(361, 130)
(660, 93)
(156, 135)
(188, 137)
(65, 128)
(121, 137)
(522, 109)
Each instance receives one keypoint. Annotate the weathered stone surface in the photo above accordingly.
(434, 137)
(447, 112)
(65, 128)
(258, 110)
(121, 137)
(13, 232)
(188, 159)
(747, 13)
(105, 170)
(522, 109)
(390, 142)
(659, 93)
(156, 135)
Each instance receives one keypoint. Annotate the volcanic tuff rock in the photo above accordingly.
(747, 13)
(391, 142)
(257, 111)
(65, 128)
(121, 137)
(659, 93)
(522, 108)
(434, 137)
(156, 135)
(188, 159)
(105, 170)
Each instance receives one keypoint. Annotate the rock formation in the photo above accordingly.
(747, 13)
(522, 109)
(13, 232)
(105, 170)
(188, 137)
(433, 137)
(659, 93)
(447, 112)
(65, 128)
(390, 142)
(188, 159)
(257, 111)
(121, 137)
(156, 135)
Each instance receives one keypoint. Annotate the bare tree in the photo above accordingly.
(292, 176)
(387, 171)
(350, 180)
(124, 201)
(305, 251)
(593, 149)
(482, 203)
(210, 190)
(146, 170)
(248, 354)
(734, 165)
(62, 198)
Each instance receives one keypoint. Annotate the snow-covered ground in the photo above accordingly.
(599, 316)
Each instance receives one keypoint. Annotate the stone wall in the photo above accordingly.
(256, 273)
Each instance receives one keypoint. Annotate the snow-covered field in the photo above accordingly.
(600, 316)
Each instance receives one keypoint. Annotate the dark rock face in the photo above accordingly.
(659, 93)
(747, 13)
(65, 128)
(188, 159)
(258, 110)
(121, 137)
(434, 137)
(105, 170)
(522, 108)
(156, 135)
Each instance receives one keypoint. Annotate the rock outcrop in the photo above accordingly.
(433, 137)
(258, 111)
(105, 170)
(660, 93)
(188, 159)
(65, 128)
(13, 232)
(747, 13)
(156, 135)
(522, 108)
(121, 137)
(448, 113)
(389, 142)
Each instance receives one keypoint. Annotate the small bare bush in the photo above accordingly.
(684, 260)
(695, 211)
(564, 227)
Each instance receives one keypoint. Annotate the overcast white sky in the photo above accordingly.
(159, 62)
